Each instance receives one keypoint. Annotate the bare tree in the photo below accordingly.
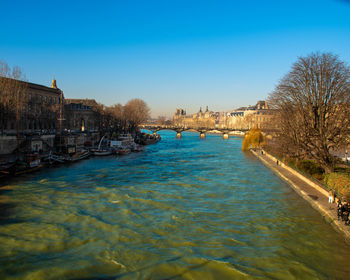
(101, 114)
(136, 111)
(13, 95)
(161, 120)
(117, 119)
(312, 105)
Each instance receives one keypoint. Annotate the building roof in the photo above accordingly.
(45, 88)
(37, 86)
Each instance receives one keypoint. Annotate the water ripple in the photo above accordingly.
(183, 209)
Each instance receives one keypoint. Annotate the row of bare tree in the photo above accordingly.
(127, 118)
(312, 104)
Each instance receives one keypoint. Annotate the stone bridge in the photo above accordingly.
(202, 130)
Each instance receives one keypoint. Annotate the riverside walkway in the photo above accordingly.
(310, 191)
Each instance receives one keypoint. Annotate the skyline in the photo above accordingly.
(219, 54)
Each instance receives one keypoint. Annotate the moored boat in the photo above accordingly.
(78, 156)
(101, 152)
(122, 151)
(5, 168)
(53, 158)
(136, 148)
(29, 163)
(147, 139)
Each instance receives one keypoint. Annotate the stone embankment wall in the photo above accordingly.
(308, 190)
(291, 170)
(9, 143)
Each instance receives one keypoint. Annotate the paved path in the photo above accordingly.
(316, 197)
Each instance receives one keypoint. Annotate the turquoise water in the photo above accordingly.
(182, 209)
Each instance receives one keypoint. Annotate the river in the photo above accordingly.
(184, 208)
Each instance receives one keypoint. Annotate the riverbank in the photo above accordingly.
(310, 191)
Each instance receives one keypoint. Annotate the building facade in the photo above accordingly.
(198, 120)
(244, 118)
(81, 115)
(34, 108)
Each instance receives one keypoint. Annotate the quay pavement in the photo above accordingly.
(310, 191)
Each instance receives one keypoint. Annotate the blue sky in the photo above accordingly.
(172, 54)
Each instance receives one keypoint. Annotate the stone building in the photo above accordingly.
(44, 108)
(28, 109)
(198, 120)
(258, 116)
(39, 110)
(179, 115)
(244, 118)
(81, 115)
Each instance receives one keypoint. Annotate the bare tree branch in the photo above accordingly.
(313, 105)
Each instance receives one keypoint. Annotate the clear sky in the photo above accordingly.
(170, 53)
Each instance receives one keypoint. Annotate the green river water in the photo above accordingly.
(182, 209)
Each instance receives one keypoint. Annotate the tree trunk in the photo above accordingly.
(328, 167)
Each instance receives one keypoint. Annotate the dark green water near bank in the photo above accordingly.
(182, 209)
